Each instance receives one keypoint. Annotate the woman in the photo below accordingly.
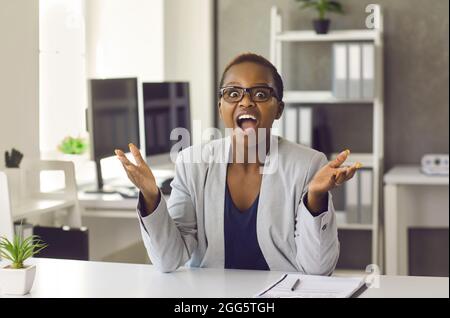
(231, 213)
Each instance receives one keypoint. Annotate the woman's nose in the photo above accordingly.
(246, 101)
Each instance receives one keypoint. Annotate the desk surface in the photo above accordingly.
(98, 201)
(106, 201)
(111, 202)
(31, 207)
(66, 278)
(412, 175)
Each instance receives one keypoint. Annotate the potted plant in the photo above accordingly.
(17, 278)
(74, 149)
(322, 24)
(73, 146)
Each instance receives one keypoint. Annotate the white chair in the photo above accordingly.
(6, 228)
(32, 202)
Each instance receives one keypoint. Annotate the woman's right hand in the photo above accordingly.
(141, 176)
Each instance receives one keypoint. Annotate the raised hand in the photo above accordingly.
(328, 177)
(141, 176)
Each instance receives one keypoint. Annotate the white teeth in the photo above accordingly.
(245, 116)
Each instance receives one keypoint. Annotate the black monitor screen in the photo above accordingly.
(166, 106)
(115, 121)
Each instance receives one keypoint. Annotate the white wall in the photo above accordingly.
(188, 53)
(19, 80)
(125, 38)
(116, 38)
(62, 72)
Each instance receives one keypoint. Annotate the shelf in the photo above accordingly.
(318, 97)
(343, 225)
(411, 175)
(332, 36)
(299, 128)
(366, 159)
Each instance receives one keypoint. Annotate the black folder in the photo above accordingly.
(64, 242)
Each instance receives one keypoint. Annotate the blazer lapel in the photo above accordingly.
(214, 204)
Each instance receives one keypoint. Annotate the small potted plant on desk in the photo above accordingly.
(321, 25)
(17, 278)
(73, 146)
(74, 149)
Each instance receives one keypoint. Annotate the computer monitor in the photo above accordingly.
(113, 118)
(166, 106)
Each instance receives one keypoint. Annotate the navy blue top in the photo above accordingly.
(242, 250)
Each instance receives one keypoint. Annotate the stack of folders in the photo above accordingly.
(353, 71)
(298, 125)
(310, 286)
(358, 197)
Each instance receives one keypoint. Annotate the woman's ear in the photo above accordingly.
(280, 110)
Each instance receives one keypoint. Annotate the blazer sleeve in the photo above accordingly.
(316, 237)
(170, 231)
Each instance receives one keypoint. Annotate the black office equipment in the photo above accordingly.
(13, 159)
(113, 118)
(128, 192)
(166, 106)
(64, 242)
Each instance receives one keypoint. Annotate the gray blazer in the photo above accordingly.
(188, 229)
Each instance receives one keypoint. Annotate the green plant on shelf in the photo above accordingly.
(73, 146)
(322, 7)
(19, 250)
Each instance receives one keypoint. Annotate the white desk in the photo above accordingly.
(114, 227)
(411, 198)
(66, 278)
(114, 205)
(33, 207)
(108, 205)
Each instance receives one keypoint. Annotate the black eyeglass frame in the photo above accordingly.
(249, 91)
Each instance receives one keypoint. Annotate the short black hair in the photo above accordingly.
(258, 59)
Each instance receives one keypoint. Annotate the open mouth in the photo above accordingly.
(247, 122)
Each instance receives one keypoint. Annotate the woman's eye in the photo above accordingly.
(233, 94)
(260, 94)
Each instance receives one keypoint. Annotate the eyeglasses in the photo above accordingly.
(258, 94)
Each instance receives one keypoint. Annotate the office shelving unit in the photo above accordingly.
(297, 98)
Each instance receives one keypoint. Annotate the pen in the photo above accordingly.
(295, 284)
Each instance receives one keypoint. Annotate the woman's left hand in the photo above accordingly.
(332, 174)
(328, 177)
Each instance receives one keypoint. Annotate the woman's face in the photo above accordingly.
(247, 114)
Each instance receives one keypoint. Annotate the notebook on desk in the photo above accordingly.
(309, 286)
